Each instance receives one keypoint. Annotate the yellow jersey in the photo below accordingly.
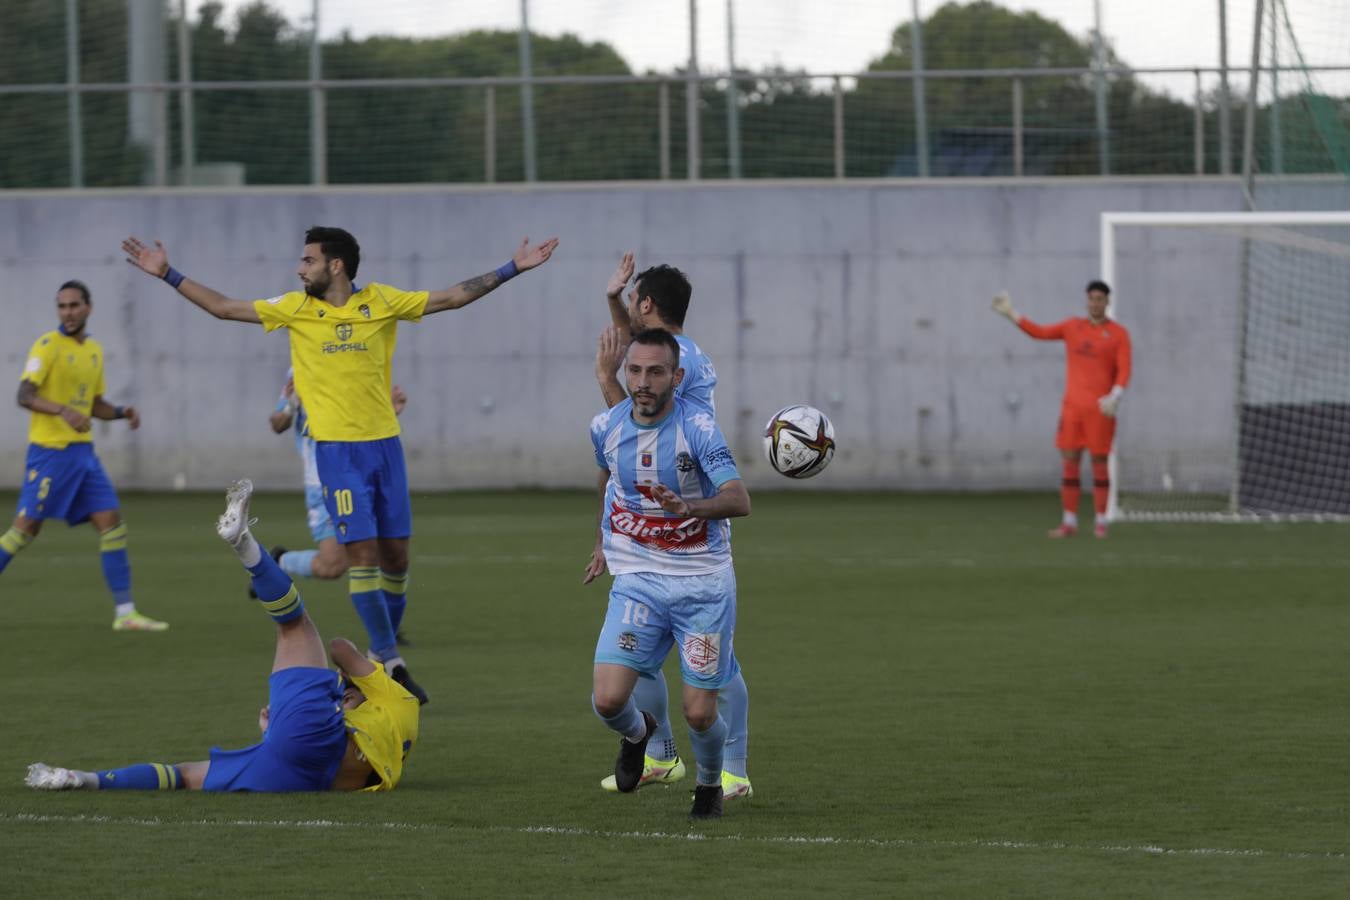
(65, 371)
(385, 726)
(343, 356)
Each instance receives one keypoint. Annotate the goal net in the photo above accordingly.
(1239, 407)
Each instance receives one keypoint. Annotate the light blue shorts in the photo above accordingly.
(320, 524)
(648, 613)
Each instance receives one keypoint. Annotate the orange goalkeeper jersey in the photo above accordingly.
(1098, 356)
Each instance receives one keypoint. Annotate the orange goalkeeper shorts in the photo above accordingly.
(1085, 427)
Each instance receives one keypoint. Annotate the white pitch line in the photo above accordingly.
(787, 840)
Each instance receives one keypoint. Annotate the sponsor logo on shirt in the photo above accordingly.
(704, 422)
(646, 460)
(659, 532)
(345, 343)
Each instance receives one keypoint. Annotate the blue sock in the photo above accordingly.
(627, 722)
(733, 702)
(653, 695)
(708, 749)
(276, 592)
(112, 545)
(298, 563)
(142, 777)
(11, 542)
(363, 583)
(395, 587)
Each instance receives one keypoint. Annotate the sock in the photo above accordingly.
(142, 777)
(276, 592)
(1101, 488)
(298, 563)
(733, 702)
(395, 587)
(653, 695)
(363, 583)
(11, 542)
(709, 747)
(249, 550)
(112, 546)
(1070, 492)
(627, 721)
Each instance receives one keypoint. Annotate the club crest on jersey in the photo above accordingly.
(684, 462)
(344, 332)
(628, 642)
(364, 310)
(646, 460)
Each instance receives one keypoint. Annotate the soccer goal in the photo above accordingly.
(1239, 408)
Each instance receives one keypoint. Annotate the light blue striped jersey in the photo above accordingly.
(700, 378)
(304, 444)
(687, 453)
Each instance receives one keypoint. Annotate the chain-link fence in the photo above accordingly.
(137, 92)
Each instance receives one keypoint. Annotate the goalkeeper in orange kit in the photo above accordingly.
(1097, 372)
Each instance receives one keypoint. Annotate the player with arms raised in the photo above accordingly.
(1098, 371)
(342, 342)
(668, 484)
(659, 298)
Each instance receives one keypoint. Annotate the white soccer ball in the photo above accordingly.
(799, 441)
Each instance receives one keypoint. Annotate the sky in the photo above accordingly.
(831, 36)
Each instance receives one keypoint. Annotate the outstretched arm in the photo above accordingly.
(464, 293)
(155, 261)
(1004, 307)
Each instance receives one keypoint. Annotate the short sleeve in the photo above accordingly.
(277, 312)
(599, 428)
(407, 305)
(39, 362)
(714, 456)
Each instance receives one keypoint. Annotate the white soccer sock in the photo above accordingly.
(123, 609)
(250, 553)
(1070, 519)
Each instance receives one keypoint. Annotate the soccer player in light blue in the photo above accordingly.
(62, 385)
(659, 299)
(349, 730)
(668, 484)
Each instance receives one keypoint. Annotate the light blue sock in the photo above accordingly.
(298, 563)
(627, 722)
(733, 702)
(653, 695)
(142, 777)
(112, 546)
(708, 749)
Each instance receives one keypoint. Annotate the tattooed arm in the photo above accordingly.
(464, 293)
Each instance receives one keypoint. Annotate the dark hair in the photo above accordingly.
(335, 243)
(653, 337)
(1098, 285)
(669, 290)
(73, 285)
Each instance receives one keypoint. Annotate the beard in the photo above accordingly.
(317, 288)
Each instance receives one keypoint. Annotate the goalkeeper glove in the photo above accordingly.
(1109, 403)
(1003, 306)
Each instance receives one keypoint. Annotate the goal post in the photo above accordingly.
(1239, 407)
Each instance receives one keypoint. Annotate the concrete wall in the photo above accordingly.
(869, 300)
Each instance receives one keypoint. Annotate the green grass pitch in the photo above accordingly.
(943, 704)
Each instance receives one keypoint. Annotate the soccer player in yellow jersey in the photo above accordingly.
(342, 346)
(62, 384)
(349, 730)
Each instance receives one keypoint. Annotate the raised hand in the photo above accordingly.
(151, 260)
(619, 280)
(528, 257)
(610, 352)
